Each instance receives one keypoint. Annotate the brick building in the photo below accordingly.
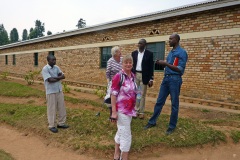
(209, 31)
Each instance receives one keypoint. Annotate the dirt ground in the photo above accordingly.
(31, 147)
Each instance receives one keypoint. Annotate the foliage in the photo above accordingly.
(4, 75)
(101, 93)
(5, 156)
(66, 89)
(81, 23)
(31, 76)
(37, 31)
(33, 34)
(14, 35)
(49, 33)
(235, 136)
(39, 26)
(3, 35)
(25, 35)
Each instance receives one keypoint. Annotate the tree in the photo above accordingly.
(39, 26)
(37, 31)
(49, 33)
(81, 23)
(32, 34)
(14, 35)
(25, 35)
(3, 35)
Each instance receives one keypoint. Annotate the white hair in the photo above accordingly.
(114, 50)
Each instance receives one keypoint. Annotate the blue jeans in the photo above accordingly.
(170, 85)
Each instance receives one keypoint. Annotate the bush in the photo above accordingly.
(101, 93)
(31, 76)
(66, 89)
(4, 75)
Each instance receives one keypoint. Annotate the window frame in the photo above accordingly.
(14, 59)
(6, 59)
(106, 54)
(158, 49)
(35, 55)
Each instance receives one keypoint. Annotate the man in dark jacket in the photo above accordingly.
(143, 68)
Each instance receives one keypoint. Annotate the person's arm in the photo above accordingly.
(58, 78)
(114, 93)
(108, 70)
(133, 68)
(181, 64)
(172, 67)
(150, 83)
(114, 109)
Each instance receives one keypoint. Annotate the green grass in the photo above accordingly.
(232, 120)
(89, 132)
(205, 110)
(235, 136)
(13, 89)
(5, 156)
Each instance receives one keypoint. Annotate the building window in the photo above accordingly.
(105, 56)
(14, 59)
(6, 59)
(51, 52)
(158, 50)
(35, 59)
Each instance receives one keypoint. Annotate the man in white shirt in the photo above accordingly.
(143, 68)
(52, 76)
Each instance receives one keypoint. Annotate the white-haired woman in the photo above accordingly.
(123, 100)
(114, 65)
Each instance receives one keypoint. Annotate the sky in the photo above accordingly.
(60, 15)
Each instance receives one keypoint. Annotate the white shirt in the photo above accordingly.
(48, 72)
(139, 61)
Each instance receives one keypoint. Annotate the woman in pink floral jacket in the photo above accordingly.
(123, 100)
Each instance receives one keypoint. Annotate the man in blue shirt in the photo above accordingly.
(171, 84)
(52, 76)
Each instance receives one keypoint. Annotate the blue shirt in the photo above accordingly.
(48, 72)
(182, 56)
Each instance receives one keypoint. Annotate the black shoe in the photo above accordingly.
(53, 129)
(63, 126)
(149, 126)
(170, 131)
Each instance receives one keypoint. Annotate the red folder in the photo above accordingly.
(175, 63)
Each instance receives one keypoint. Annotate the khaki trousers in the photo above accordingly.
(140, 106)
(55, 103)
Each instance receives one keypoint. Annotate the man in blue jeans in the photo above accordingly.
(171, 84)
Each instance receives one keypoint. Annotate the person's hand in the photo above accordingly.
(150, 83)
(113, 117)
(161, 62)
(59, 74)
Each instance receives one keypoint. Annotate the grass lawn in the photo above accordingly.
(89, 132)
